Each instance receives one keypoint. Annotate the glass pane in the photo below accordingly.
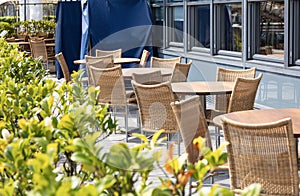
(202, 26)
(175, 0)
(231, 27)
(176, 22)
(158, 26)
(271, 40)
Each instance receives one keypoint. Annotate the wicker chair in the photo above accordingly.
(154, 77)
(264, 154)
(222, 101)
(243, 94)
(164, 63)
(242, 97)
(181, 72)
(112, 91)
(64, 67)
(116, 53)
(99, 62)
(144, 58)
(155, 109)
(191, 120)
(150, 78)
(38, 49)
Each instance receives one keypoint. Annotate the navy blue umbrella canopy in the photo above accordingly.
(68, 33)
(102, 24)
(115, 24)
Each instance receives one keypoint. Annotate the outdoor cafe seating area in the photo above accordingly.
(157, 93)
(161, 97)
(99, 107)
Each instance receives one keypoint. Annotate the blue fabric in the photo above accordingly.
(68, 33)
(85, 33)
(125, 24)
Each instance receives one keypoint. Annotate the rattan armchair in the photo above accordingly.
(112, 92)
(144, 58)
(181, 72)
(191, 120)
(64, 67)
(99, 62)
(264, 154)
(155, 109)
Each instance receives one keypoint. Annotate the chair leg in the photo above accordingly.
(126, 122)
(168, 140)
(178, 137)
(217, 136)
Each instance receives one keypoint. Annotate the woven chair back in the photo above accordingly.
(100, 62)
(181, 72)
(192, 124)
(64, 67)
(116, 53)
(154, 77)
(154, 107)
(243, 94)
(38, 48)
(264, 154)
(164, 63)
(228, 75)
(144, 58)
(111, 83)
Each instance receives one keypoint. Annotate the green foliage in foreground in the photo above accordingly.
(54, 142)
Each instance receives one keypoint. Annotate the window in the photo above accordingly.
(158, 29)
(199, 17)
(175, 19)
(244, 29)
(267, 34)
(229, 27)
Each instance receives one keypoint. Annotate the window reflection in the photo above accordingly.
(231, 27)
(176, 24)
(202, 26)
(271, 28)
(158, 28)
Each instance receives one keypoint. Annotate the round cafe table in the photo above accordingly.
(264, 116)
(202, 88)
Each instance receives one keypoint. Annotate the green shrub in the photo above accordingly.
(8, 19)
(8, 27)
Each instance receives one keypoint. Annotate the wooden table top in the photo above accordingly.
(127, 72)
(264, 116)
(116, 61)
(203, 87)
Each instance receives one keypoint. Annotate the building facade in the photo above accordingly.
(235, 34)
